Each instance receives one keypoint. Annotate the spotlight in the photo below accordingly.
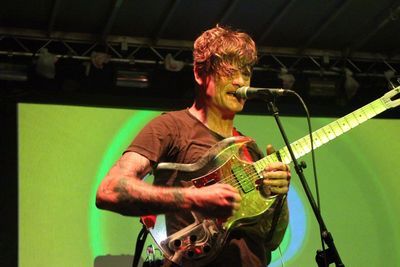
(45, 64)
(173, 65)
(390, 76)
(350, 84)
(287, 79)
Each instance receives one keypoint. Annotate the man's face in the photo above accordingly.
(221, 88)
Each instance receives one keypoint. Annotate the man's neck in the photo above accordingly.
(213, 119)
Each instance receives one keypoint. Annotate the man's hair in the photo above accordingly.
(220, 49)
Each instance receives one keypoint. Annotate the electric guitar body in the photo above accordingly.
(201, 241)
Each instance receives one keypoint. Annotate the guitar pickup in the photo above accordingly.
(242, 173)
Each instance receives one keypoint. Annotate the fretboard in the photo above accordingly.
(325, 134)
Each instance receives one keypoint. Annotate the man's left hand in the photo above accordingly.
(276, 177)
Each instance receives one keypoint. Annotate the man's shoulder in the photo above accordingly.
(176, 115)
(171, 120)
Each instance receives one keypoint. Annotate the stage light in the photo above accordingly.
(322, 87)
(173, 65)
(132, 79)
(350, 84)
(391, 77)
(45, 64)
(13, 72)
(287, 78)
(99, 59)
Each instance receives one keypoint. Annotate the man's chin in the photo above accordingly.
(238, 108)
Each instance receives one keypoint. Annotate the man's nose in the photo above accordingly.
(240, 80)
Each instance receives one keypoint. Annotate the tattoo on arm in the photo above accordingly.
(135, 200)
(121, 189)
(178, 197)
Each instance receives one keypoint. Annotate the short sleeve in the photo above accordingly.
(155, 139)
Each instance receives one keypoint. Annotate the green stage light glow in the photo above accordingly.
(127, 132)
(64, 152)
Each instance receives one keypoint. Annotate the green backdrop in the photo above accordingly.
(64, 151)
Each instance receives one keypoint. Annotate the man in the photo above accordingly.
(223, 62)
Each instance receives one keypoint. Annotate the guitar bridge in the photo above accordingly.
(196, 242)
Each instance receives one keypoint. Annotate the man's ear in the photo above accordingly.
(197, 76)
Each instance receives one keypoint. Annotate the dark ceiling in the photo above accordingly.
(348, 26)
(323, 38)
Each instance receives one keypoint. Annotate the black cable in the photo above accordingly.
(313, 166)
(141, 239)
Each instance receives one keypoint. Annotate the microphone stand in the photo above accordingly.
(329, 255)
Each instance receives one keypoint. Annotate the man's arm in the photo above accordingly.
(123, 191)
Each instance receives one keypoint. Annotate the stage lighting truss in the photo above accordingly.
(142, 51)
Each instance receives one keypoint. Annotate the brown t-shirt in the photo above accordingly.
(181, 138)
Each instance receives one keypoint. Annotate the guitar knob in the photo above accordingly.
(190, 253)
(177, 243)
(206, 248)
(193, 238)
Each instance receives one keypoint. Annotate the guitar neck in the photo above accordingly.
(329, 132)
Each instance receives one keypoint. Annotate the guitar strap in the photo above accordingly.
(275, 218)
(141, 239)
(245, 151)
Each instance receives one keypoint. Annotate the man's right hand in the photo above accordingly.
(215, 201)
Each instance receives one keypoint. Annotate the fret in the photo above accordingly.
(297, 146)
(375, 109)
(359, 114)
(306, 144)
(285, 155)
(322, 136)
(282, 153)
(378, 106)
(273, 158)
(296, 152)
(329, 132)
(343, 124)
(257, 165)
(369, 111)
(260, 164)
(303, 147)
(317, 142)
(337, 130)
(352, 120)
(288, 158)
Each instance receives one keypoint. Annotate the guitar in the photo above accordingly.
(200, 242)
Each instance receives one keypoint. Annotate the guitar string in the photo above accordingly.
(251, 172)
(248, 168)
(235, 182)
(301, 151)
(253, 176)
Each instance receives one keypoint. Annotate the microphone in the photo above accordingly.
(247, 92)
